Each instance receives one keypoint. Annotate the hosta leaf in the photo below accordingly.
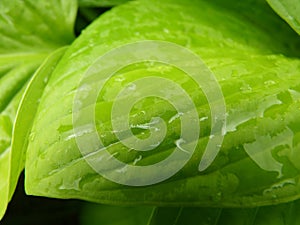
(29, 31)
(6, 124)
(102, 3)
(282, 214)
(289, 10)
(255, 64)
(167, 216)
(26, 113)
(94, 214)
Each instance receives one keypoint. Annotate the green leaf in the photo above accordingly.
(191, 216)
(26, 114)
(93, 214)
(283, 214)
(29, 31)
(166, 216)
(100, 3)
(255, 63)
(289, 10)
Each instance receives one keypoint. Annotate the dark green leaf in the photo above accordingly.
(289, 10)
(102, 3)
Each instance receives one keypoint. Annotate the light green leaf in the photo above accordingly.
(254, 62)
(289, 10)
(26, 113)
(29, 31)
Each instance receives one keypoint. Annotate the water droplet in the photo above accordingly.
(147, 126)
(238, 117)
(71, 185)
(137, 160)
(217, 197)
(166, 31)
(264, 159)
(80, 131)
(269, 83)
(203, 118)
(46, 80)
(84, 91)
(130, 149)
(113, 155)
(120, 78)
(123, 169)
(274, 196)
(144, 126)
(276, 187)
(32, 136)
(246, 88)
(178, 115)
(131, 87)
(179, 143)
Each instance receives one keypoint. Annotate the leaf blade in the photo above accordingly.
(26, 38)
(256, 92)
(289, 10)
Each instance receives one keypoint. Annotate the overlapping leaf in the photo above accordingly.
(283, 214)
(102, 3)
(289, 10)
(29, 31)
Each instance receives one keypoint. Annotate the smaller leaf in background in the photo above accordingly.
(26, 113)
(10, 96)
(182, 216)
(283, 214)
(29, 31)
(95, 214)
(100, 3)
(289, 10)
(165, 215)
(4, 187)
